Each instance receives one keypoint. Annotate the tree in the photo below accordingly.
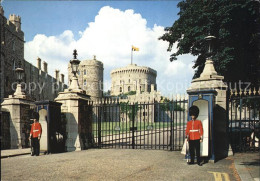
(234, 23)
(129, 109)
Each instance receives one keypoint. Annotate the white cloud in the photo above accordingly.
(110, 38)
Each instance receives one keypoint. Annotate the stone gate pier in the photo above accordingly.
(20, 107)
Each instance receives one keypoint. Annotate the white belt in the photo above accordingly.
(35, 130)
(194, 130)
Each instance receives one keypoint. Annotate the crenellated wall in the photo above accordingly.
(132, 78)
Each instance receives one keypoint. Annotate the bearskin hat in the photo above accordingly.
(194, 110)
(35, 115)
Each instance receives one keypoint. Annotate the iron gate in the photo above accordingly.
(154, 125)
(244, 111)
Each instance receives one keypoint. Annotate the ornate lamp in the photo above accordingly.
(19, 75)
(209, 38)
(74, 63)
(74, 86)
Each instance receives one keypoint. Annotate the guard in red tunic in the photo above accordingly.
(35, 134)
(194, 134)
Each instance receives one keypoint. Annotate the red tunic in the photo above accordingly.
(194, 130)
(36, 130)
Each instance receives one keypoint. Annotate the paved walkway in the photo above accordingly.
(124, 164)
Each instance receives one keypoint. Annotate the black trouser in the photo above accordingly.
(35, 146)
(194, 145)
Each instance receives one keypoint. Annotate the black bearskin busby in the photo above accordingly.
(194, 110)
(35, 115)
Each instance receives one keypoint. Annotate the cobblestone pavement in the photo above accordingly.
(114, 164)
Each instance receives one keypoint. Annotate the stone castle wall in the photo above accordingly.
(11, 51)
(38, 84)
(90, 77)
(132, 78)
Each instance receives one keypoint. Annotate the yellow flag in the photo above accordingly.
(135, 48)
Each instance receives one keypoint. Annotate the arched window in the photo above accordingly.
(120, 89)
(129, 88)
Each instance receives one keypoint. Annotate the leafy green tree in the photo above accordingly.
(129, 109)
(167, 105)
(234, 23)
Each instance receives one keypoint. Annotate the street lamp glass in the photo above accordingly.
(19, 73)
(74, 65)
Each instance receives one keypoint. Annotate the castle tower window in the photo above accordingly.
(85, 72)
(6, 81)
(120, 89)
(14, 67)
(85, 82)
(129, 88)
(78, 72)
(13, 45)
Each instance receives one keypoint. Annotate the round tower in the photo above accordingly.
(90, 77)
(133, 78)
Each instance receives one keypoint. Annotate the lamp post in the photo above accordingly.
(19, 75)
(209, 38)
(74, 86)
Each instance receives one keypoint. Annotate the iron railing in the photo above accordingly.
(244, 111)
(147, 125)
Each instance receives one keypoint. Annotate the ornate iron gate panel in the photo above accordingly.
(155, 125)
(244, 111)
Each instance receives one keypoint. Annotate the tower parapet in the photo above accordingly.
(16, 20)
(2, 12)
(133, 78)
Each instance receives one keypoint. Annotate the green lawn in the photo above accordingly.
(109, 128)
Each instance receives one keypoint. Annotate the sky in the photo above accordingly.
(107, 29)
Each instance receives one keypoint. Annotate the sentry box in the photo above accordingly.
(205, 101)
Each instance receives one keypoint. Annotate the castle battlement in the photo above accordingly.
(16, 21)
(133, 68)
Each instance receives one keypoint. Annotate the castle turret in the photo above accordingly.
(90, 77)
(133, 78)
(2, 12)
(16, 20)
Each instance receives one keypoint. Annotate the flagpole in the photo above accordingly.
(131, 55)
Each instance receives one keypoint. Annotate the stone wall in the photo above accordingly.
(38, 84)
(11, 51)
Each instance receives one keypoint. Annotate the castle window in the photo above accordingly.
(14, 66)
(13, 45)
(78, 72)
(6, 81)
(85, 82)
(129, 88)
(120, 89)
(85, 72)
